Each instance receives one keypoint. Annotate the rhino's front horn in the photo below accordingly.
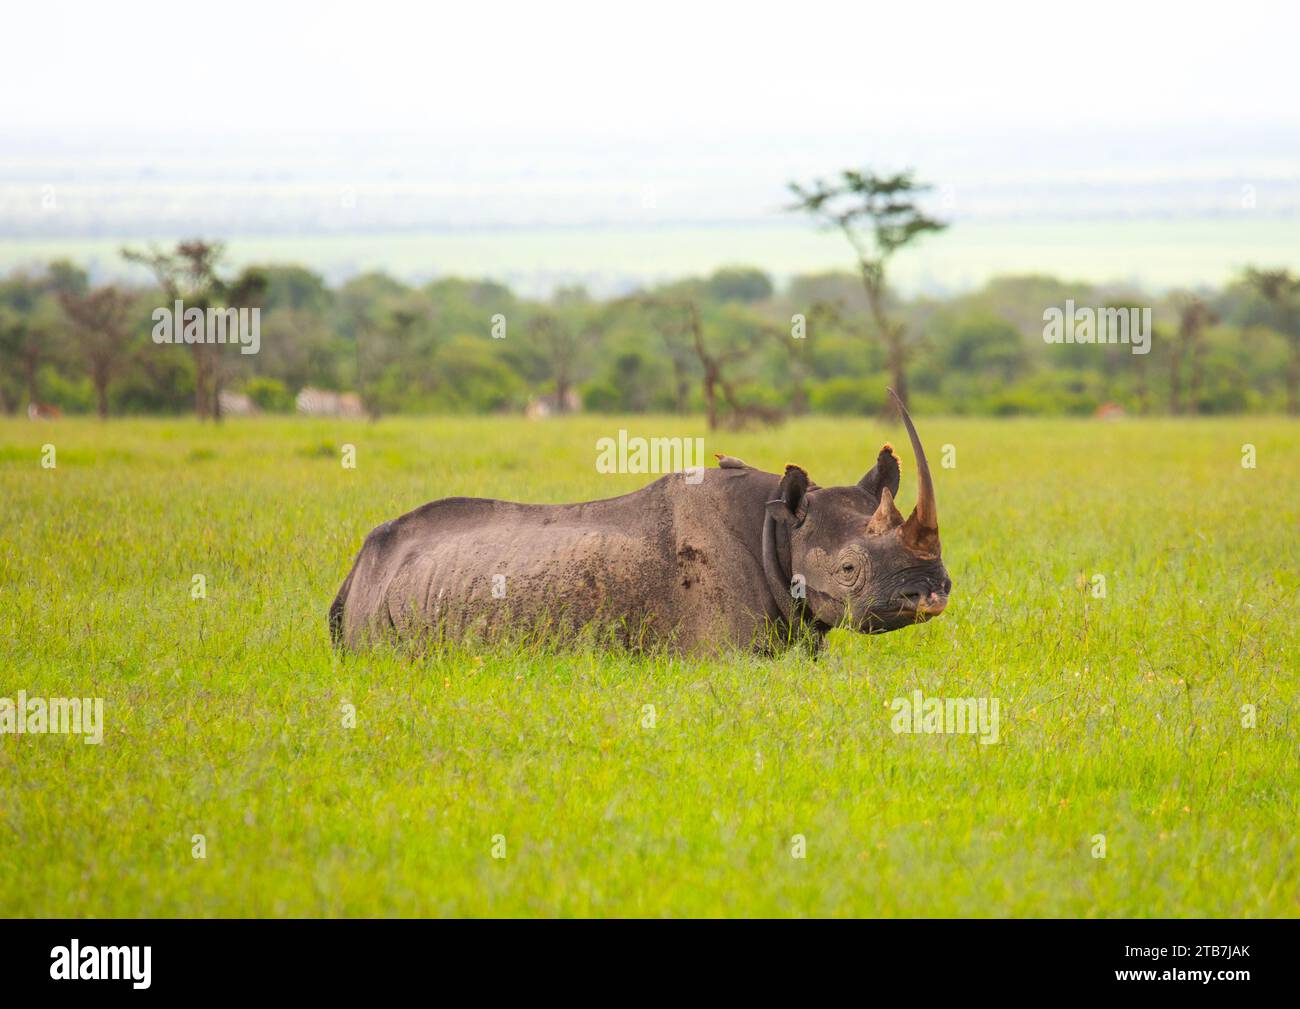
(921, 530)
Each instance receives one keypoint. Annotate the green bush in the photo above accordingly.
(269, 394)
(601, 397)
(856, 396)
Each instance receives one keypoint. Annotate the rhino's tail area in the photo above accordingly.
(336, 610)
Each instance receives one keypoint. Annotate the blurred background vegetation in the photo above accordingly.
(723, 345)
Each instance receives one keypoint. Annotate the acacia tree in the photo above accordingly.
(100, 331)
(1281, 289)
(189, 274)
(878, 215)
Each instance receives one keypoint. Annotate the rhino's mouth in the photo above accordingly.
(922, 605)
(905, 609)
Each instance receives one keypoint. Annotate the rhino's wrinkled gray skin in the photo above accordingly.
(696, 567)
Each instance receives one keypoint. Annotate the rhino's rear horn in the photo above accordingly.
(886, 515)
(921, 530)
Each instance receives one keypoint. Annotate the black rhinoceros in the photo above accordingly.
(738, 559)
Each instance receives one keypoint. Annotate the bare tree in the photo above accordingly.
(878, 215)
(677, 320)
(715, 363)
(99, 320)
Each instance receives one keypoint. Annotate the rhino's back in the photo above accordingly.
(672, 561)
(462, 563)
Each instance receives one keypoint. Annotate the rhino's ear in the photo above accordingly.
(791, 504)
(884, 474)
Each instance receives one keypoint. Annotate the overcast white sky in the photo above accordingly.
(695, 69)
(266, 121)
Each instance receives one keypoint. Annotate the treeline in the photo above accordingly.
(732, 345)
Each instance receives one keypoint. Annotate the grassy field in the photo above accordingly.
(224, 716)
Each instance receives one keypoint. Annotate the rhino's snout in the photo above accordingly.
(925, 605)
(928, 600)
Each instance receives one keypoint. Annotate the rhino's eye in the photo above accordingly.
(849, 571)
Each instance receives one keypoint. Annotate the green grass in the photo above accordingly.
(1119, 716)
